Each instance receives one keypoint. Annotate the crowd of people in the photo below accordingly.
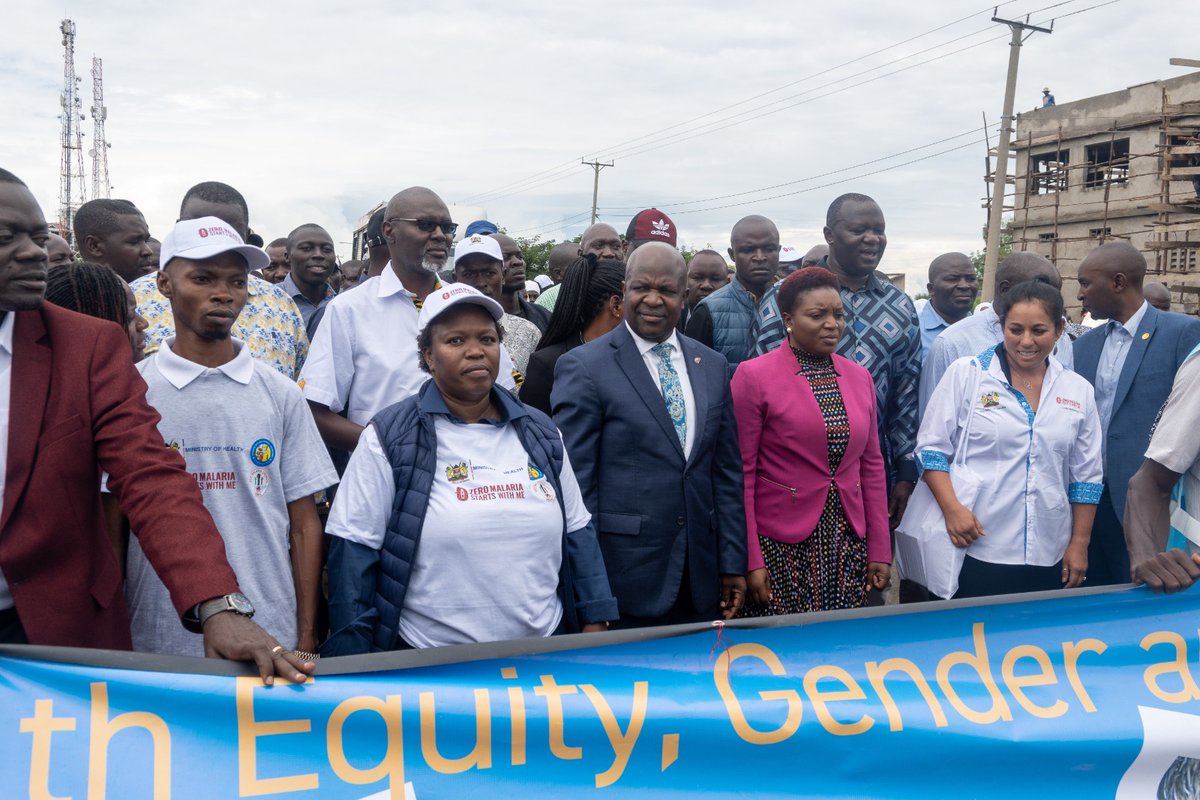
(220, 448)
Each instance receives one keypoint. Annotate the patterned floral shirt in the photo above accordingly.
(882, 334)
(270, 324)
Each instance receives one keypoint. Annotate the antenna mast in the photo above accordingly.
(100, 144)
(72, 193)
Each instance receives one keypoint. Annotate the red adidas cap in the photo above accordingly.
(651, 225)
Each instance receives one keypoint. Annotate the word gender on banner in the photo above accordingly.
(1078, 695)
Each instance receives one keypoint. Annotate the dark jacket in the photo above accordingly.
(78, 407)
(367, 586)
(538, 315)
(723, 321)
(1160, 346)
(657, 512)
(539, 374)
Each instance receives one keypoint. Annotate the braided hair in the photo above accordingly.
(92, 289)
(587, 284)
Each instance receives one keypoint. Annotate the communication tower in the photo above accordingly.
(72, 190)
(100, 144)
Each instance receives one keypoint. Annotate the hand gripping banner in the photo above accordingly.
(1088, 694)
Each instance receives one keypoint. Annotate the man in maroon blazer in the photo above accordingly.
(71, 404)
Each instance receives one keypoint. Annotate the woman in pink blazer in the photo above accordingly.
(816, 492)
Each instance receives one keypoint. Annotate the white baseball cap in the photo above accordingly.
(544, 281)
(788, 254)
(205, 237)
(441, 300)
(477, 243)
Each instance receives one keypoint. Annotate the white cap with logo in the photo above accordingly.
(478, 244)
(788, 254)
(441, 300)
(205, 237)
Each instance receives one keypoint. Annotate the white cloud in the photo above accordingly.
(317, 110)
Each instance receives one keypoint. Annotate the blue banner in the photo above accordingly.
(1082, 694)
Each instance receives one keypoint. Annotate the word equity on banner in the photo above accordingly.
(1065, 694)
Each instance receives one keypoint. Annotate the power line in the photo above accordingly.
(837, 182)
(811, 99)
(675, 205)
(810, 77)
(564, 222)
(500, 190)
(768, 110)
(555, 173)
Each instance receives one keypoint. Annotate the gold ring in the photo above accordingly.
(276, 650)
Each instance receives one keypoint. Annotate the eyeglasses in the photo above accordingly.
(428, 225)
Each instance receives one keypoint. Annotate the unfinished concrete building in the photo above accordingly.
(1118, 166)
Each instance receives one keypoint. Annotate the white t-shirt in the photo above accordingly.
(488, 561)
(1176, 440)
(250, 442)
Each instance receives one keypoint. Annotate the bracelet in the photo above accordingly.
(306, 656)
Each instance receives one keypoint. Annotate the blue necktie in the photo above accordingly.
(672, 391)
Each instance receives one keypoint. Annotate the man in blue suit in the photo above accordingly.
(1131, 361)
(648, 423)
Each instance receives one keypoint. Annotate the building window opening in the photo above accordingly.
(1048, 172)
(1107, 163)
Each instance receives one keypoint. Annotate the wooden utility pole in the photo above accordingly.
(596, 166)
(1000, 180)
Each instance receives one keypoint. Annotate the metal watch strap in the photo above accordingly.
(218, 605)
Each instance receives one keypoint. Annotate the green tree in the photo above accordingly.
(536, 253)
(1006, 246)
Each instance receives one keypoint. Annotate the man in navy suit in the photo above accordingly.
(648, 422)
(1131, 361)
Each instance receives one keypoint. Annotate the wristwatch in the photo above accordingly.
(236, 603)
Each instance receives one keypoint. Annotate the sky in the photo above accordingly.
(316, 111)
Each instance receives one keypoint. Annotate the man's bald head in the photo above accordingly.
(1026, 266)
(1158, 295)
(948, 262)
(814, 255)
(412, 250)
(307, 227)
(753, 222)
(952, 286)
(655, 278)
(656, 255)
(601, 239)
(1110, 281)
(405, 201)
(1117, 258)
(561, 254)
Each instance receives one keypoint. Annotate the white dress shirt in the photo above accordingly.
(1033, 466)
(970, 337)
(1112, 361)
(363, 357)
(6, 353)
(645, 346)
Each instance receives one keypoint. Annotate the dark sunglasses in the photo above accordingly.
(428, 225)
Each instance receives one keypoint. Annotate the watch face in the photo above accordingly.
(241, 604)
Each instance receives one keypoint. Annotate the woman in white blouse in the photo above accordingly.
(1033, 440)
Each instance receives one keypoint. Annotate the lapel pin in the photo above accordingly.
(696, 360)
(1145, 336)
